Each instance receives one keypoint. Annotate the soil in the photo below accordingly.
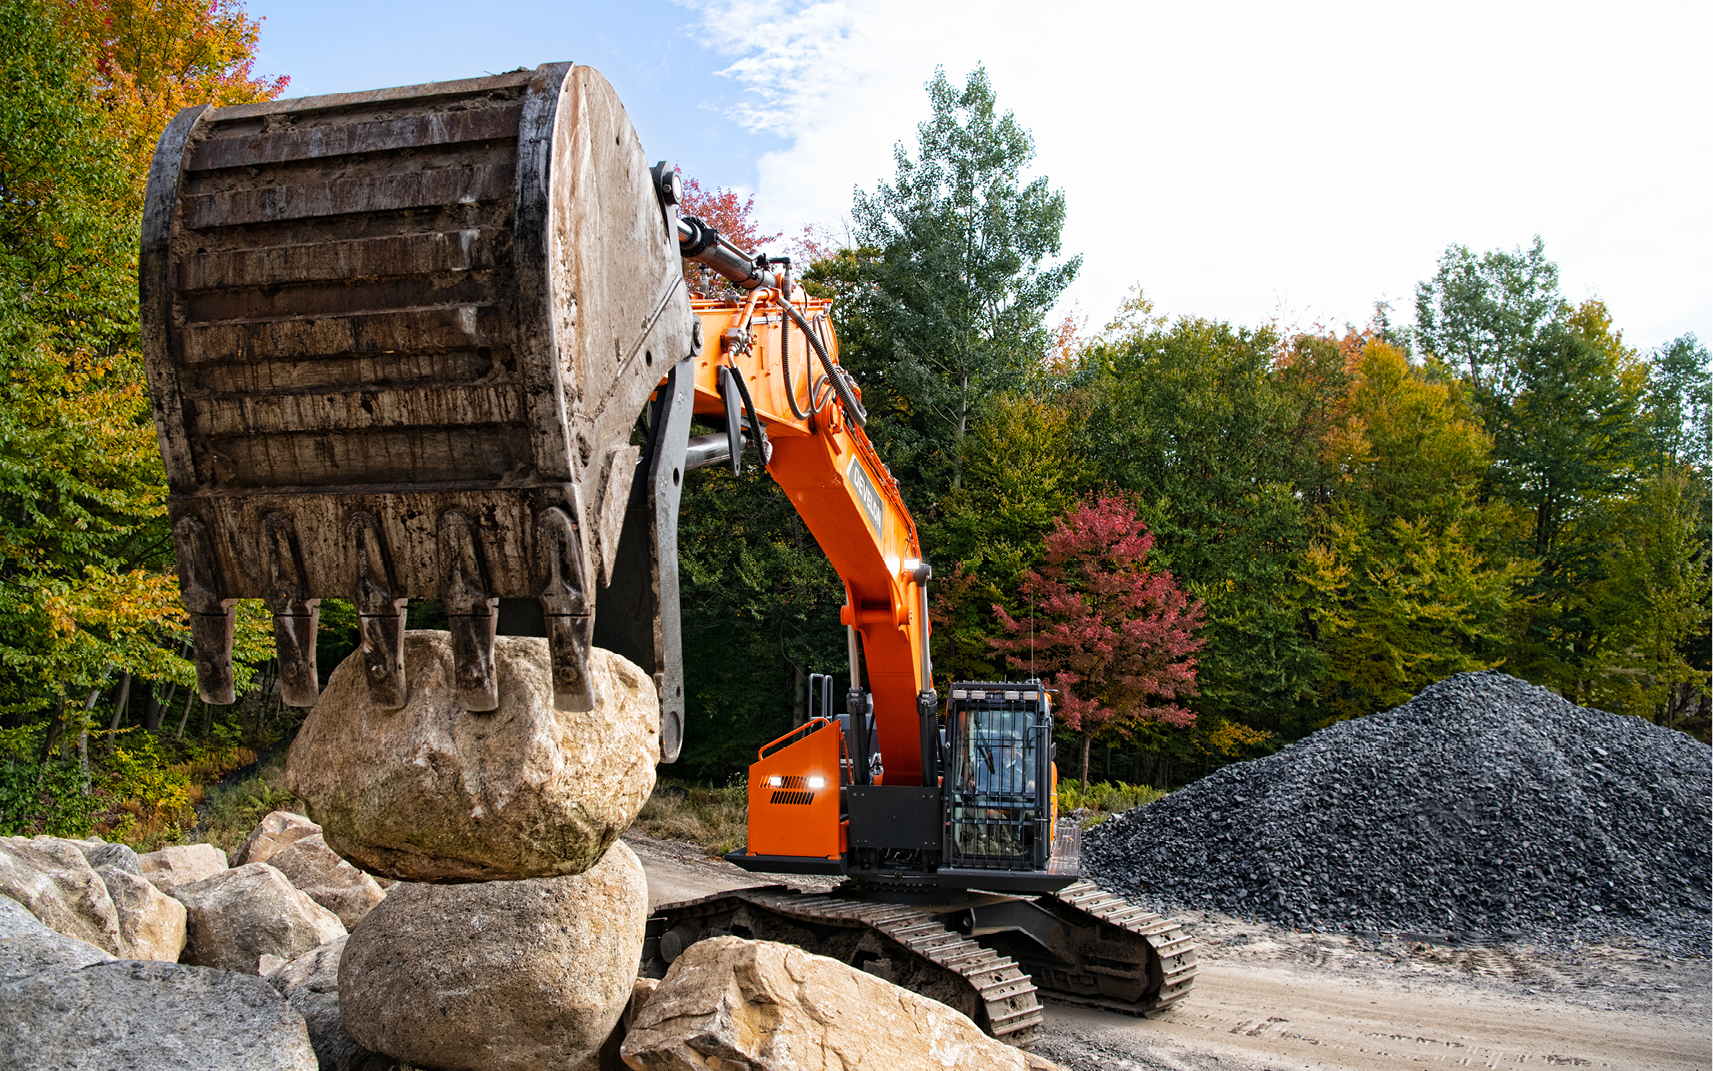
(1271, 997)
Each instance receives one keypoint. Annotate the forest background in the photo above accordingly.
(1496, 478)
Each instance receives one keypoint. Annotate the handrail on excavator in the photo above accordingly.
(810, 725)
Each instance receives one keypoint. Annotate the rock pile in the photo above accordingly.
(1484, 807)
(516, 947)
(70, 1005)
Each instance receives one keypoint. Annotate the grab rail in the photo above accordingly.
(810, 725)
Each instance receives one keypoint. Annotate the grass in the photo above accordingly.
(716, 819)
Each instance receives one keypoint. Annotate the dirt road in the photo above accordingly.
(1274, 1017)
(1274, 999)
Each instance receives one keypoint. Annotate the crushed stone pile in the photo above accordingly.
(1484, 808)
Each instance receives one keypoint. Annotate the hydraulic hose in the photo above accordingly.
(853, 409)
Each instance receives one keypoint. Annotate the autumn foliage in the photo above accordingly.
(150, 58)
(1114, 635)
(723, 210)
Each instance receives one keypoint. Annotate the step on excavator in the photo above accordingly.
(436, 342)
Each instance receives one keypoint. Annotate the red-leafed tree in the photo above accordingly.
(1117, 637)
(733, 218)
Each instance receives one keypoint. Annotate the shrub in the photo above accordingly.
(1103, 799)
(42, 797)
(232, 811)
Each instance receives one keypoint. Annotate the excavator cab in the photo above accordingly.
(999, 778)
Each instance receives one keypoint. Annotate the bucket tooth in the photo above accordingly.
(471, 616)
(565, 608)
(380, 616)
(295, 614)
(212, 618)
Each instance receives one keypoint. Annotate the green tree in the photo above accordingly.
(81, 589)
(1563, 398)
(1024, 467)
(962, 278)
(1480, 314)
(88, 599)
(760, 611)
(1567, 448)
(1194, 418)
(1653, 661)
(1653, 599)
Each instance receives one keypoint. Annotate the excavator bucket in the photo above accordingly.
(398, 343)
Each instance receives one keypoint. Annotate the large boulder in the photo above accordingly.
(181, 864)
(272, 833)
(53, 880)
(330, 881)
(760, 1006)
(310, 984)
(500, 975)
(608, 1057)
(435, 793)
(27, 947)
(151, 922)
(150, 1017)
(240, 915)
(98, 853)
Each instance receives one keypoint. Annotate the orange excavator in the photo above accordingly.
(437, 342)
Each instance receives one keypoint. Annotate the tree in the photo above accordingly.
(1407, 593)
(1193, 418)
(1481, 313)
(962, 280)
(88, 598)
(1679, 406)
(1567, 451)
(761, 601)
(1653, 660)
(1563, 398)
(1117, 636)
(1653, 600)
(80, 479)
(149, 58)
(1025, 468)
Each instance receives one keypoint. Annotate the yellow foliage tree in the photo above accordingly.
(1408, 591)
(151, 58)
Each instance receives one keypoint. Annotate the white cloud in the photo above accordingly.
(1254, 160)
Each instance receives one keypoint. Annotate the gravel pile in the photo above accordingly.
(1484, 808)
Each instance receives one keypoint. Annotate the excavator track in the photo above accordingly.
(902, 943)
(1174, 955)
(1081, 945)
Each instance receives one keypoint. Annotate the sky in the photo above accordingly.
(1246, 161)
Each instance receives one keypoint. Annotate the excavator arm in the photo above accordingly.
(769, 370)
